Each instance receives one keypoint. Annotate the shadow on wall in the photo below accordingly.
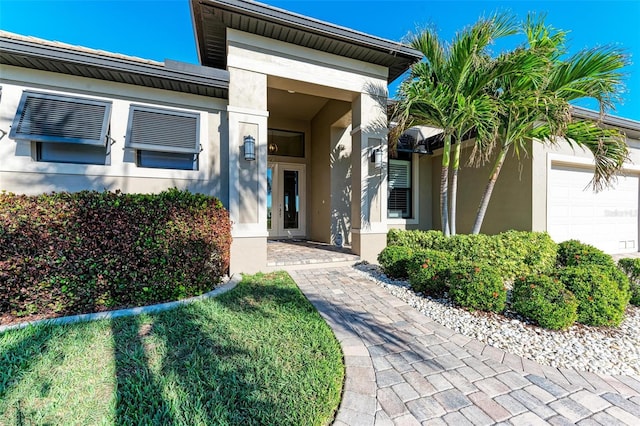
(377, 129)
(340, 159)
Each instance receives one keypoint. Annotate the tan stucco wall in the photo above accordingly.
(511, 203)
(297, 63)
(248, 255)
(20, 173)
(328, 171)
(341, 182)
(423, 194)
(369, 245)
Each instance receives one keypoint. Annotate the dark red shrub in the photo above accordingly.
(68, 253)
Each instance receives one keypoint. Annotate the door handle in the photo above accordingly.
(280, 211)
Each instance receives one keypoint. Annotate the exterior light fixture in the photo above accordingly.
(376, 158)
(249, 148)
(423, 148)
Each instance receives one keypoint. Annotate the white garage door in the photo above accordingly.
(607, 220)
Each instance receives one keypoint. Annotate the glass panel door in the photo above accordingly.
(285, 200)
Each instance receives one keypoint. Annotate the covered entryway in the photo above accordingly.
(290, 73)
(607, 220)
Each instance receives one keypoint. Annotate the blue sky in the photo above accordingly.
(159, 29)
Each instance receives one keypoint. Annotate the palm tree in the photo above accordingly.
(448, 90)
(539, 109)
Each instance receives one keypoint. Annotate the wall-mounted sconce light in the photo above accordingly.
(423, 148)
(376, 158)
(272, 148)
(249, 148)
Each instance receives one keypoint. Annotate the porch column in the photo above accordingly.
(369, 196)
(247, 112)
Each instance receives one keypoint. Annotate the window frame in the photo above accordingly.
(139, 148)
(408, 164)
(413, 217)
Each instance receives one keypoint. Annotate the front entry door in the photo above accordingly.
(285, 200)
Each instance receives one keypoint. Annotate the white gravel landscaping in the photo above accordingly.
(596, 349)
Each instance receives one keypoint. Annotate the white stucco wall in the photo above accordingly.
(20, 173)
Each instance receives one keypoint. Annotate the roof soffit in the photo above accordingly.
(212, 17)
(29, 52)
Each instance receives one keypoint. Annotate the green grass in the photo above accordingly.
(260, 354)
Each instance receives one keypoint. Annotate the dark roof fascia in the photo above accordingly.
(285, 18)
(173, 70)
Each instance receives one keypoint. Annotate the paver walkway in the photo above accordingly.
(402, 368)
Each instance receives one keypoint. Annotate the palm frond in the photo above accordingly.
(608, 146)
(592, 73)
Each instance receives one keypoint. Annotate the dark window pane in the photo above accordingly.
(166, 160)
(56, 152)
(285, 143)
(291, 199)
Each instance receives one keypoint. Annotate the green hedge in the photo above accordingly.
(511, 253)
(544, 300)
(631, 267)
(575, 253)
(602, 293)
(477, 286)
(69, 253)
(394, 261)
(429, 271)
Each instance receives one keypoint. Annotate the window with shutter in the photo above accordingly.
(164, 138)
(399, 196)
(43, 117)
(65, 129)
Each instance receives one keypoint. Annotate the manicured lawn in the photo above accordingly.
(259, 354)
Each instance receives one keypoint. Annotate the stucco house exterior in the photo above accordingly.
(285, 120)
(546, 189)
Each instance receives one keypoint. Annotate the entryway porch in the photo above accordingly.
(301, 253)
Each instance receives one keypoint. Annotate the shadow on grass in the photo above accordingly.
(241, 358)
(139, 396)
(17, 357)
(210, 365)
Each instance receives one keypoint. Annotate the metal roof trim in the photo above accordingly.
(282, 16)
(612, 120)
(172, 70)
(405, 55)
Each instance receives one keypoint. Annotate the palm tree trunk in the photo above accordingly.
(454, 188)
(484, 202)
(444, 185)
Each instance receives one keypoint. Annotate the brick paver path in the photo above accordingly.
(402, 368)
(283, 253)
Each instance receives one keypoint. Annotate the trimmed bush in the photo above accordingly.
(575, 253)
(526, 253)
(631, 267)
(70, 253)
(601, 292)
(429, 272)
(477, 286)
(544, 300)
(394, 260)
(513, 253)
(416, 239)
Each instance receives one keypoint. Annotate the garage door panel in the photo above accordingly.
(607, 220)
